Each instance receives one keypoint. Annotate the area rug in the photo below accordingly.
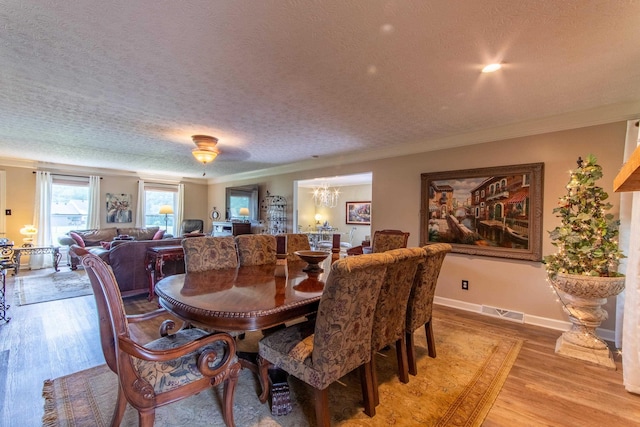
(457, 388)
(53, 286)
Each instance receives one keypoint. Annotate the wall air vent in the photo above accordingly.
(514, 316)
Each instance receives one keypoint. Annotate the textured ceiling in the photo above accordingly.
(123, 84)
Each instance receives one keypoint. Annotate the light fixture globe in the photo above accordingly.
(206, 150)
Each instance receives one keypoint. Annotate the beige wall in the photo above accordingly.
(21, 192)
(513, 285)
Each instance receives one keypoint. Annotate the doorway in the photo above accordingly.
(311, 215)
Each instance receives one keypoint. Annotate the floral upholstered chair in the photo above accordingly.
(296, 242)
(391, 310)
(256, 249)
(163, 371)
(340, 339)
(209, 253)
(421, 300)
(383, 240)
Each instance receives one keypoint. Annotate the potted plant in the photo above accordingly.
(584, 270)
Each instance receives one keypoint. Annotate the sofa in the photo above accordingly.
(126, 257)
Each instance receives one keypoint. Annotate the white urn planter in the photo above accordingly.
(583, 297)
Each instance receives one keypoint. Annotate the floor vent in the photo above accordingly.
(514, 316)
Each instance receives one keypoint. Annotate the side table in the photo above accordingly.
(155, 260)
(35, 250)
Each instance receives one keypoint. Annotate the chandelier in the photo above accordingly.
(326, 196)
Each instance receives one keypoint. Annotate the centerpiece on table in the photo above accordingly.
(584, 270)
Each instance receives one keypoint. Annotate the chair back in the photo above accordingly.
(420, 304)
(391, 308)
(111, 315)
(191, 225)
(256, 249)
(209, 253)
(342, 335)
(296, 242)
(386, 240)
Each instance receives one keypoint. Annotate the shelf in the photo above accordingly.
(628, 179)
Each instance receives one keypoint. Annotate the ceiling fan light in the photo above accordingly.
(204, 156)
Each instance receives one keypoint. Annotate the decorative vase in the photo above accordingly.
(583, 297)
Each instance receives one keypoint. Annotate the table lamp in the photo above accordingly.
(244, 212)
(166, 210)
(28, 230)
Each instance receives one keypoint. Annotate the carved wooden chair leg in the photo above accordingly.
(366, 382)
(321, 400)
(228, 394)
(146, 418)
(121, 406)
(411, 354)
(431, 341)
(401, 355)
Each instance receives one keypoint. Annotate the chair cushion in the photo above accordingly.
(139, 233)
(166, 376)
(159, 235)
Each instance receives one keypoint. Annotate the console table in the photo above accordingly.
(155, 260)
(35, 250)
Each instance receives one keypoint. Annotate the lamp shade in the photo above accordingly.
(28, 230)
(244, 212)
(166, 210)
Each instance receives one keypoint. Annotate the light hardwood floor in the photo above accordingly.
(53, 339)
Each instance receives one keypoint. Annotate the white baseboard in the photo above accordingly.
(545, 322)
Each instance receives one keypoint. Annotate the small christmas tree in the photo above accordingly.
(587, 239)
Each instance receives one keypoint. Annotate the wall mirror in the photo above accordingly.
(242, 197)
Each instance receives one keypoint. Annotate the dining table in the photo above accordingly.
(247, 298)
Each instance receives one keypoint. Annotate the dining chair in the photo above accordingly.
(383, 240)
(420, 304)
(391, 310)
(338, 342)
(209, 253)
(296, 242)
(256, 249)
(163, 371)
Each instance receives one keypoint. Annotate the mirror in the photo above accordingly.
(242, 197)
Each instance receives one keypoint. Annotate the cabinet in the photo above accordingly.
(275, 214)
(228, 228)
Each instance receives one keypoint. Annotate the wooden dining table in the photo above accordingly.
(246, 298)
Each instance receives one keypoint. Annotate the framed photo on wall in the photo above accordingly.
(358, 213)
(119, 207)
(494, 211)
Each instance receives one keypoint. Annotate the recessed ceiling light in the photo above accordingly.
(491, 68)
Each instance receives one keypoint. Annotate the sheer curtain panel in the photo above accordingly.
(42, 220)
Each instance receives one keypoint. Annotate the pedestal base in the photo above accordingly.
(600, 357)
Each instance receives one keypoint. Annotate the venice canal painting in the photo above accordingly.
(483, 211)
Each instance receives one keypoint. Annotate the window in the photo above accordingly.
(69, 204)
(156, 196)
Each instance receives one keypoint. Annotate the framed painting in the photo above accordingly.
(358, 213)
(119, 207)
(494, 211)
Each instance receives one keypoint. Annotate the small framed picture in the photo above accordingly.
(358, 213)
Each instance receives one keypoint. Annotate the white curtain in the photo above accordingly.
(631, 297)
(42, 220)
(93, 210)
(179, 211)
(140, 206)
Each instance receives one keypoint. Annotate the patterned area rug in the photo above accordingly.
(53, 286)
(457, 388)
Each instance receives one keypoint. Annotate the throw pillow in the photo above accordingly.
(106, 245)
(159, 235)
(77, 238)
